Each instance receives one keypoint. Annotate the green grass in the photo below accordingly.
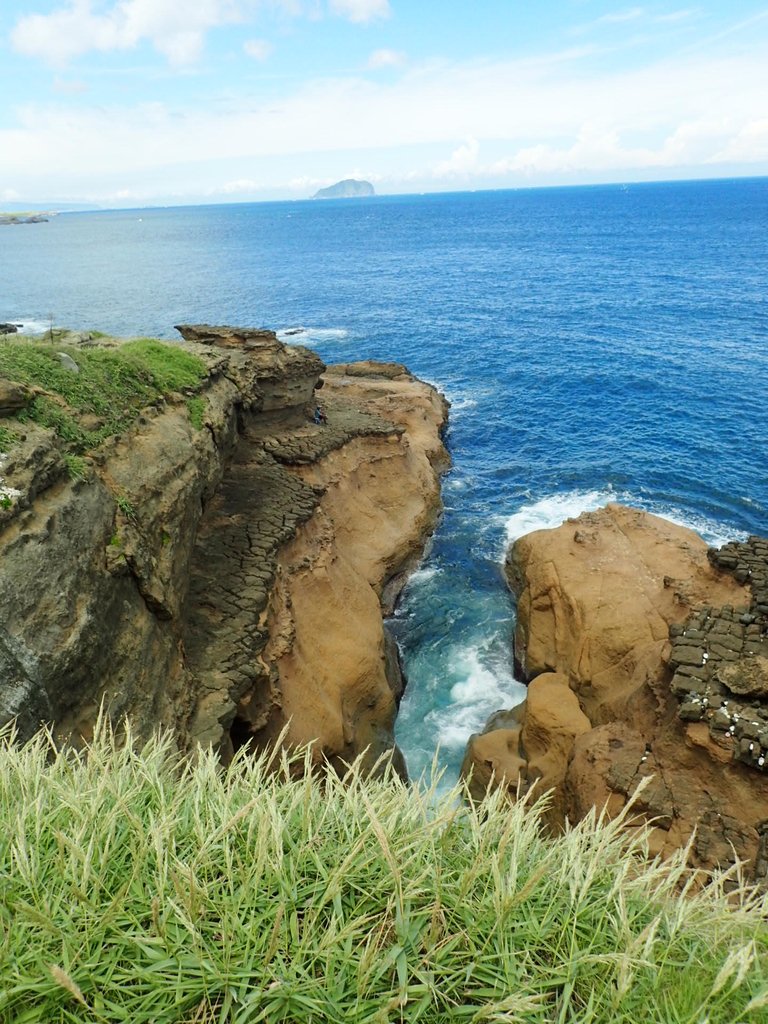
(141, 888)
(126, 506)
(77, 467)
(113, 385)
(171, 367)
(7, 438)
(196, 407)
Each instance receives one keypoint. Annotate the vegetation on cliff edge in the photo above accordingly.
(138, 887)
(107, 394)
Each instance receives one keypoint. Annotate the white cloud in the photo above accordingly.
(631, 16)
(306, 183)
(386, 59)
(593, 149)
(69, 87)
(258, 49)
(462, 161)
(619, 17)
(240, 186)
(175, 30)
(681, 15)
(749, 143)
(360, 10)
(599, 149)
(518, 119)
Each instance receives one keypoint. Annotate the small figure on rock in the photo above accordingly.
(320, 416)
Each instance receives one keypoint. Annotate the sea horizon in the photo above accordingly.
(90, 206)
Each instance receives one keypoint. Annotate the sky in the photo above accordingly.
(143, 102)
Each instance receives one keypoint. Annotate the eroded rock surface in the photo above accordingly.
(616, 612)
(224, 580)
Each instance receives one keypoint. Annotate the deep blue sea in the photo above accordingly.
(597, 343)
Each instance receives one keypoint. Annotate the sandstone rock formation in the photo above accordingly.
(228, 580)
(610, 606)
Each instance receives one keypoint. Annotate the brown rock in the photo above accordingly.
(748, 677)
(553, 720)
(595, 606)
(13, 397)
(600, 612)
(534, 752)
(496, 754)
(379, 500)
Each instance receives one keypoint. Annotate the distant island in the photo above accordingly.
(350, 188)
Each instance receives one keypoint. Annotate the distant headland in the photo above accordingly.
(349, 188)
(24, 218)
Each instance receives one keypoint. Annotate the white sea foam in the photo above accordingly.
(31, 326)
(483, 687)
(423, 575)
(553, 510)
(459, 404)
(710, 530)
(455, 483)
(311, 335)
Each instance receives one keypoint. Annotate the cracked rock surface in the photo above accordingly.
(225, 581)
(627, 624)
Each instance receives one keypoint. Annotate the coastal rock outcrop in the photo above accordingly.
(221, 567)
(644, 653)
(24, 218)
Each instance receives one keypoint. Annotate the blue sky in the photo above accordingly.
(132, 102)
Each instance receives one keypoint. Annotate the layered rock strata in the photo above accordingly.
(604, 602)
(225, 580)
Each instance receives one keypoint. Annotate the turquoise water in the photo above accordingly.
(606, 343)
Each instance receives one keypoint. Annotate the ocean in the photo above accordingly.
(597, 344)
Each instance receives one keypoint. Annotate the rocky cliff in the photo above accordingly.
(645, 656)
(220, 567)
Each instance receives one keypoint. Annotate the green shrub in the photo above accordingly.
(140, 887)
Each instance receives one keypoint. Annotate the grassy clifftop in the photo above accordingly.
(138, 887)
(104, 394)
